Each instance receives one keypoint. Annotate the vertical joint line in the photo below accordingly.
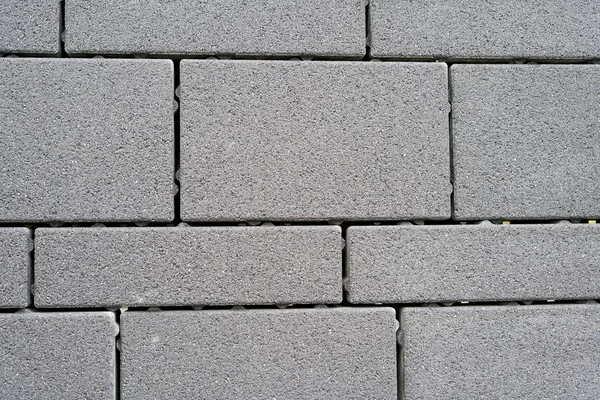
(61, 29)
(118, 357)
(176, 140)
(30, 270)
(344, 264)
(367, 56)
(451, 141)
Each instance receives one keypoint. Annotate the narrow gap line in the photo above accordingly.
(31, 270)
(367, 56)
(176, 142)
(451, 141)
(61, 30)
(345, 271)
(118, 357)
(399, 358)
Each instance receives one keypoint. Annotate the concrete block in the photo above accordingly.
(113, 267)
(486, 262)
(86, 140)
(30, 27)
(285, 140)
(501, 352)
(57, 356)
(526, 142)
(15, 245)
(224, 27)
(338, 353)
(466, 29)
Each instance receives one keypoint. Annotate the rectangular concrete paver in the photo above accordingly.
(501, 352)
(291, 354)
(486, 262)
(100, 267)
(30, 27)
(15, 245)
(68, 356)
(86, 140)
(526, 141)
(466, 29)
(285, 140)
(224, 27)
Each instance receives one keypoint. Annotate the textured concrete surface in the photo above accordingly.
(463, 29)
(321, 354)
(285, 140)
(30, 27)
(519, 352)
(15, 245)
(86, 140)
(268, 27)
(57, 356)
(526, 141)
(96, 267)
(402, 264)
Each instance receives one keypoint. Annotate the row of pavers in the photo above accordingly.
(467, 352)
(282, 265)
(433, 29)
(94, 140)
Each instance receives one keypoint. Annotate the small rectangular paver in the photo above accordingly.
(501, 352)
(295, 140)
(57, 356)
(108, 267)
(86, 140)
(322, 353)
(30, 27)
(485, 262)
(466, 29)
(224, 27)
(526, 141)
(15, 264)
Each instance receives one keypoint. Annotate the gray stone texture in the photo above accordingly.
(86, 140)
(486, 262)
(15, 245)
(224, 27)
(63, 356)
(502, 352)
(30, 27)
(295, 140)
(526, 141)
(466, 29)
(291, 354)
(107, 267)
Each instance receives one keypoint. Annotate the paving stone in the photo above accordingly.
(15, 245)
(30, 27)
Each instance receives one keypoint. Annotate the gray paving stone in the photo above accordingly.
(486, 262)
(466, 29)
(224, 27)
(30, 27)
(57, 356)
(526, 142)
(291, 140)
(86, 140)
(107, 267)
(15, 245)
(337, 353)
(505, 352)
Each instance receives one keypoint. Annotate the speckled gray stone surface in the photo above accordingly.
(526, 141)
(503, 352)
(292, 140)
(96, 267)
(15, 245)
(486, 262)
(338, 353)
(30, 27)
(463, 29)
(86, 140)
(268, 27)
(57, 356)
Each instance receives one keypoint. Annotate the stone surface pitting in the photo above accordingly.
(15, 245)
(322, 353)
(30, 27)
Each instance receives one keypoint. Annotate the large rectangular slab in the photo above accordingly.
(57, 356)
(30, 27)
(338, 353)
(86, 140)
(526, 141)
(224, 27)
(108, 267)
(466, 29)
(15, 245)
(486, 262)
(505, 352)
(285, 140)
